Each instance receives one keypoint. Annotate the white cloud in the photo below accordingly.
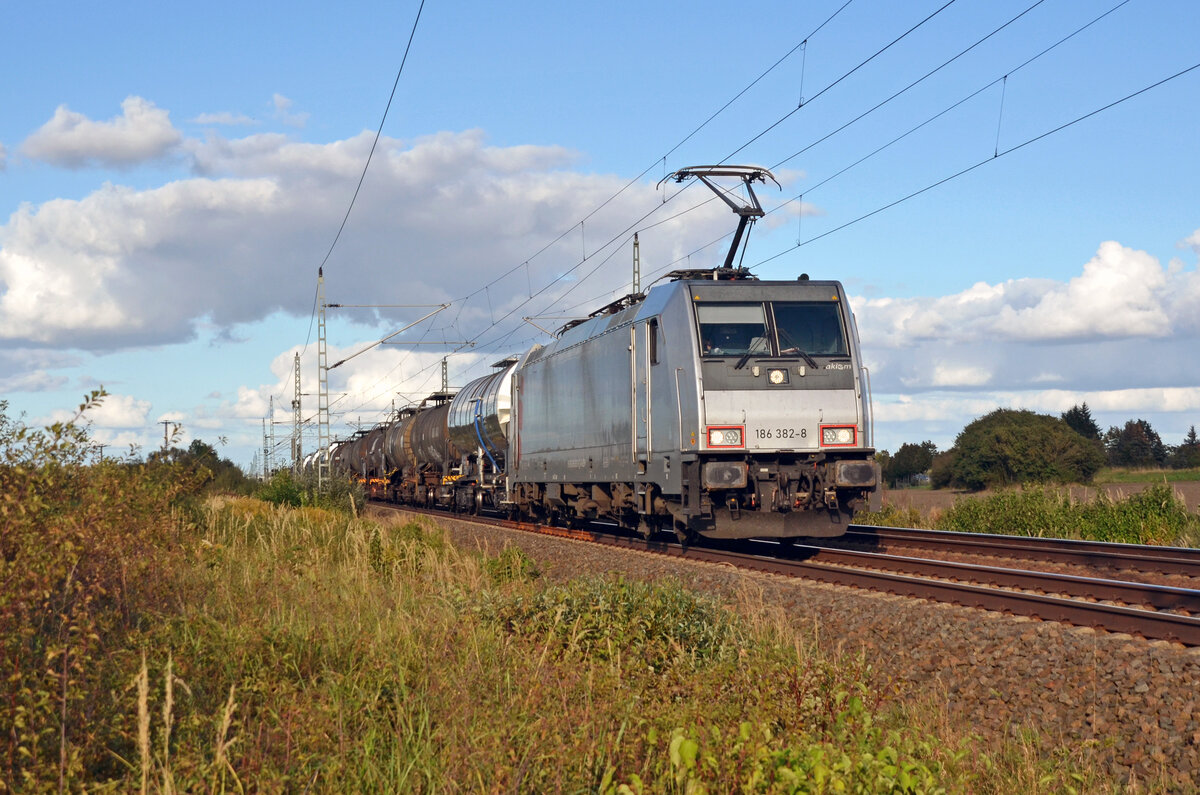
(435, 220)
(120, 411)
(114, 411)
(1121, 293)
(940, 416)
(28, 370)
(117, 443)
(945, 375)
(283, 111)
(142, 132)
(36, 381)
(3, 157)
(1194, 241)
(224, 118)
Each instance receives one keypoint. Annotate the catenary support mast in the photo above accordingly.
(297, 453)
(323, 386)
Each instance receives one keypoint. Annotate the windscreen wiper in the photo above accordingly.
(785, 337)
(759, 346)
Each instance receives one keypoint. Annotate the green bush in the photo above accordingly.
(82, 558)
(1154, 516)
(282, 489)
(336, 493)
(655, 625)
(1009, 447)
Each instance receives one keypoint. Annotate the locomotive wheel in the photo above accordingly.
(478, 503)
(683, 533)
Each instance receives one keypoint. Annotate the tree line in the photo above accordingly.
(1011, 446)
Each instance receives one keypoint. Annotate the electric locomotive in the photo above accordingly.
(718, 405)
(715, 405)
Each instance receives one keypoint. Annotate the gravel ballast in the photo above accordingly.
(1138, 702)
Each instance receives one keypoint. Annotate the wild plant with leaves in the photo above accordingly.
(76, 541)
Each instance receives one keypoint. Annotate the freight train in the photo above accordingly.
(714, 404)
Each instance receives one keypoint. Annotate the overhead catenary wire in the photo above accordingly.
(361, 177)
(984, 162)
(607, 201)
(845, 75)
(1012, 71)
(532, 295)
(662, 158)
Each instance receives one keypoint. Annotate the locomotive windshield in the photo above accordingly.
(812, 328)
(799, 329)
(732, 329)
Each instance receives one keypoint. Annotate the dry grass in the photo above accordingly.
(309, 650)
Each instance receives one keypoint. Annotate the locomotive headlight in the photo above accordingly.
(838, 435)
(724, 437)
(777, 376)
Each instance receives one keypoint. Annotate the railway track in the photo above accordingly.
(1150, 610)
(1088, 554)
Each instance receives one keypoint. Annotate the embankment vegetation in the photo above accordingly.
(1156, 515)
(157, 642)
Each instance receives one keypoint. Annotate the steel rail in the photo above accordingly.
(1160, 597)
(1149, 624)
(1142, 557)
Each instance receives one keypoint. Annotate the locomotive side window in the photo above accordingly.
(732, 329)
(811, 328)
(652, 333)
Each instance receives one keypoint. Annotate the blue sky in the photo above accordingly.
(172, 176)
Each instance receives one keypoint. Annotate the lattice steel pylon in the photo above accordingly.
(297, 453)
(322, 386)
(637, 265)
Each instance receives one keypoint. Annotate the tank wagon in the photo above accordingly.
(715, 404)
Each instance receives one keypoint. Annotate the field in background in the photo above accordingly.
(1119, 487)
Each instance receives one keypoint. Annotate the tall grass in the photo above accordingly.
(1156, 515)
(154, 644)
(327, 653)
(1126, 475)
(381, 658)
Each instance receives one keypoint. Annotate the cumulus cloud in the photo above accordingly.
(436, 219)
(143, 132)
(114, 412)
(223, 118)
(1120, 336)
(1121, 293)
(36, 381)
(940, 416)
(283, 111)
(948, 375)
(1194, 241)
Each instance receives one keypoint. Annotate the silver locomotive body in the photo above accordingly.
(725, 408)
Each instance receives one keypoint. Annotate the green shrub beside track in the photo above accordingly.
(1155, 515)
